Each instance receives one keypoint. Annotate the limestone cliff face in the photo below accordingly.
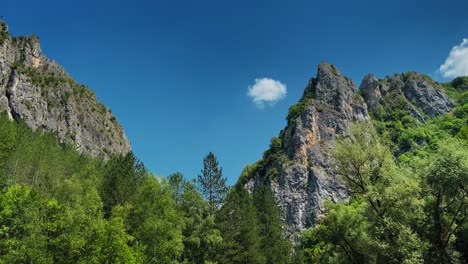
(39, 92)
(331, 104)
(414, 92)
(300, 173)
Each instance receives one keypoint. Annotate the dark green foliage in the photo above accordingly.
(445, 179)
(270, 165)
(250, 171)
(123, 175)
(238, 224)
(211, 182)
(461, 241)
(201, 238)
(460, 82)
(7, 144)
(273, 245)
(276, 153)
(251, 228)
(297, 109)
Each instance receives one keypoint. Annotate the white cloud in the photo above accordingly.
(456, 63)
(266, 90)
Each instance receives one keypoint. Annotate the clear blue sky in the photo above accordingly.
(176, 73)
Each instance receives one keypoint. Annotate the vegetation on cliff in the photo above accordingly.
(408, 184)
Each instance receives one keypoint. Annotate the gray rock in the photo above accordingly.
(308, 179)
(411, 91)
(427, 95)
(39, 92)
(371, 91)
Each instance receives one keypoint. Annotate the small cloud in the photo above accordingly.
(456, 63)
(266, 90)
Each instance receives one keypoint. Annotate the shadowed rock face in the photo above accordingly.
(308, 179)
(39, 92)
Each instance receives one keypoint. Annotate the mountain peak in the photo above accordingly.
(38, 91)
(328, 108)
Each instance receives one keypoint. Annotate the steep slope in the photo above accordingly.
(39, 92)
(413, 92)
(302, 178)
(298, 167)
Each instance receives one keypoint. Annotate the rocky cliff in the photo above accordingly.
(39, 92)
(413, 92)
(304, 177)
(298, 167)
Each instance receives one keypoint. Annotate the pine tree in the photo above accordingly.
(122, 177)
(273, 245)
(211, 182)
(237, 222)
(201, 238)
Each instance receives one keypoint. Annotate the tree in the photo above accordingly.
(7, 143)
(201, 237)
(445, 177)
(273, 245)
(238, 224)
(124, 174)
(390, 195)
(155, 223)
(21, 239)
(340, 237)
(211, 182)
(115, 241)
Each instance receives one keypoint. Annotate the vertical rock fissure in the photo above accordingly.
(8, 94)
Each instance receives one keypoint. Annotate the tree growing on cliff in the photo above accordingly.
(211, 182)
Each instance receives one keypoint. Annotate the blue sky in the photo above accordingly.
(176, 73)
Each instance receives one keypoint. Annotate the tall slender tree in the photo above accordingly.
(211, 182)
(237, 221)
(273, 245)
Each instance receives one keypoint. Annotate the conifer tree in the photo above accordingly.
(238, 224)
(211, 183)
(273, 245)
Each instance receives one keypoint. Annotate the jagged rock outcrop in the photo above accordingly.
(298, 167)
(410, 91)
(331, 104)
(39, 92)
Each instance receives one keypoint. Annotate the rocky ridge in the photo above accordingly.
(39, 92)
(298, 167)
(416, 93)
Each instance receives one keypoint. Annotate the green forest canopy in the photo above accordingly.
(408, 203)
